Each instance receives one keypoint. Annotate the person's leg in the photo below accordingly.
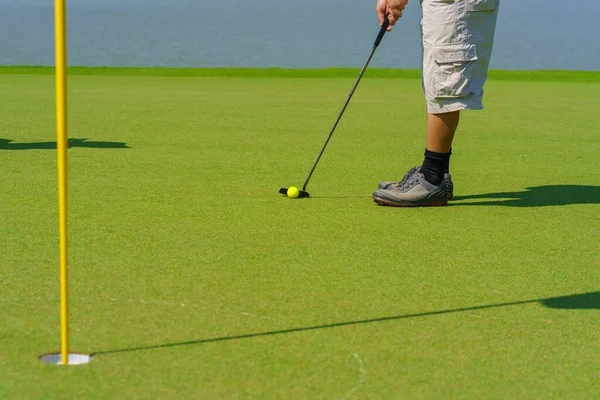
(456, 56)
(457, 46)
(440, 133)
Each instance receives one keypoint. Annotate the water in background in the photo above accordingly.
(531, 34)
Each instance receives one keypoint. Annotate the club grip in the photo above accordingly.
(386, 23)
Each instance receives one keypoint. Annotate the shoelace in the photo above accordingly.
(404, 182)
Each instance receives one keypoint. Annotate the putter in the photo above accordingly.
(303, 193)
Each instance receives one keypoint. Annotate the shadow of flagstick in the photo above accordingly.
(579, 301)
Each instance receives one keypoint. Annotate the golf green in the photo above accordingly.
(191, 277)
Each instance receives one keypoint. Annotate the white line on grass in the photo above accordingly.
(363, 376)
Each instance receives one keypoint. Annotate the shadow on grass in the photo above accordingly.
(585, 301)
(538, 196)
(340, 197)
(7, 144)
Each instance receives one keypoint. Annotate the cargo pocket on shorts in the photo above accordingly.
(482, 5)
(453, 69)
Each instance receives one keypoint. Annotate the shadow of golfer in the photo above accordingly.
(584, 301)
(7, 144)
(538, 196)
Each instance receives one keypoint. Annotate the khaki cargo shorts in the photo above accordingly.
(458, 36)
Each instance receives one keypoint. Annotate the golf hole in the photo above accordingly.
(74, 359)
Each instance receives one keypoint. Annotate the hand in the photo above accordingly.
(392, 8)
(395, 8)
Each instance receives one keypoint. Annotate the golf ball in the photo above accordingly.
(293, 192)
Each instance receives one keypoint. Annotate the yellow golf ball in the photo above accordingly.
(293, 192)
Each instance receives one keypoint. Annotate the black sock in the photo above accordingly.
(434, 165)
(447, 169)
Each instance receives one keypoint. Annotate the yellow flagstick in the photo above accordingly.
(61, 146)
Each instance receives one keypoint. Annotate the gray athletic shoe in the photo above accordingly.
(413, 190)
(447, 177)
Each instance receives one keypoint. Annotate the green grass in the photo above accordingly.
(536, 76)
(192, 278)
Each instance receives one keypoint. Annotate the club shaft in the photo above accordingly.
(360, 75)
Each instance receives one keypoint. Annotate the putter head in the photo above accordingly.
(301, 193)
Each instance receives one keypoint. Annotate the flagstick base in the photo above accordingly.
(74, 359)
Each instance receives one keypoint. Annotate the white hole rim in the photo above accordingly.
(74, 359)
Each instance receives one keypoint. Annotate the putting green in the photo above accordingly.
(191, 277)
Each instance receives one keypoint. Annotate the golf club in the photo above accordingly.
(303, 192)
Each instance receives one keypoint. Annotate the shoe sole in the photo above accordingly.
(386, 202)
(450, 196)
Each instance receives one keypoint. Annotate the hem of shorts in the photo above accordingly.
(455, 106)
